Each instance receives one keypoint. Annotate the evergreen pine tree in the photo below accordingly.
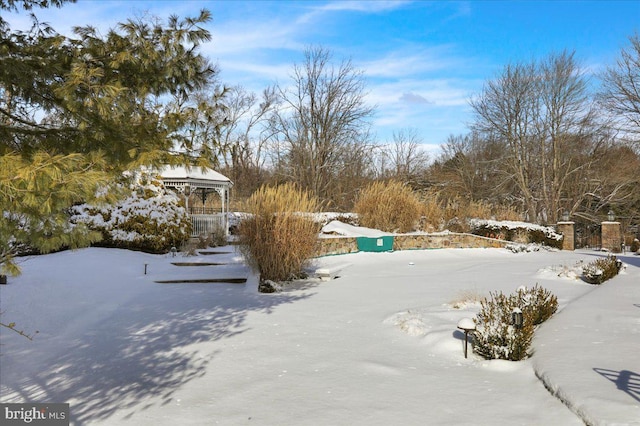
(77, 111)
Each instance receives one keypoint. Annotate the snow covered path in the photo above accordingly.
(599, 378)
(377, 346)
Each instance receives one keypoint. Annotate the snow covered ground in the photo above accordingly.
(376, 346)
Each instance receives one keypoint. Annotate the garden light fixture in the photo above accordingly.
(516, 318)
(466, 325)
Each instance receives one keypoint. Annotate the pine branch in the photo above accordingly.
(12, 326)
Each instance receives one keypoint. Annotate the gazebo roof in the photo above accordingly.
(194, 176)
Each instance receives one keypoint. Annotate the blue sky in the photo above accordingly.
(422, 60)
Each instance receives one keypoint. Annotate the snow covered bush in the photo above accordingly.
(635, 246)
(327, 217)
(496, 337)
(149, 219)
(410, 322)
(278, 238)
(601, 270)
(538, 303)
(388, 206)
(521, 232)
(455, 213)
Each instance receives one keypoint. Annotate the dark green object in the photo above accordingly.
(376, 244)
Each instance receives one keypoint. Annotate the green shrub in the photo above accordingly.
(601, 270)
(537, 303)
(496, 338)
(278, 238)
(388, 206)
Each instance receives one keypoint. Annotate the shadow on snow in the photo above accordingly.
(140, 351)
(625, 380)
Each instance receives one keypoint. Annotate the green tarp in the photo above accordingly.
(375, 243)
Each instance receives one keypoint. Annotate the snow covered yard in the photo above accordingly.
(378, 345)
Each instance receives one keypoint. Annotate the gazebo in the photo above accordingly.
(196, 182)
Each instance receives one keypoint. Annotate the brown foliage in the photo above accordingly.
(388, 206)
(279, 238)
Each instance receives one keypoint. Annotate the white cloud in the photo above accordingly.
(102, 15)
(411, 60)
(412, 98)
(252, 76)
(438, 92)
(352, 6)
(240, 37)
(413, 84)
(363, 6)
(401, 104)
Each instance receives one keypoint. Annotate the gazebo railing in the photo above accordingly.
(204, 210)
(205, 224)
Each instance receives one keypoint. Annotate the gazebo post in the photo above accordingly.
(224, 212)
(187, 194)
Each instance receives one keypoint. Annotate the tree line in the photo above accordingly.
(542, 140)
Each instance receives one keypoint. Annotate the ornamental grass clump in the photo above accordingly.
(388, 206)
(497, 337)
(280, 236)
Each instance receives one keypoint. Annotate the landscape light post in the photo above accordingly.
(466, 325)
(516, 318)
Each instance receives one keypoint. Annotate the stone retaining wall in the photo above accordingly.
(344, 245)
(337, 245)
(450, 240)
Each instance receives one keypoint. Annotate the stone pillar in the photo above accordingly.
(567, 229)
(612, 236)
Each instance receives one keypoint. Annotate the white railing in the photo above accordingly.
(205, 224)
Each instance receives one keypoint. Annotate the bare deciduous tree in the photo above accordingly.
(404, 158)
(567, 133)
(470, 166)
(621, 88)
(244, 137)
(322, 122)
(508, 110)
(541, 112)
